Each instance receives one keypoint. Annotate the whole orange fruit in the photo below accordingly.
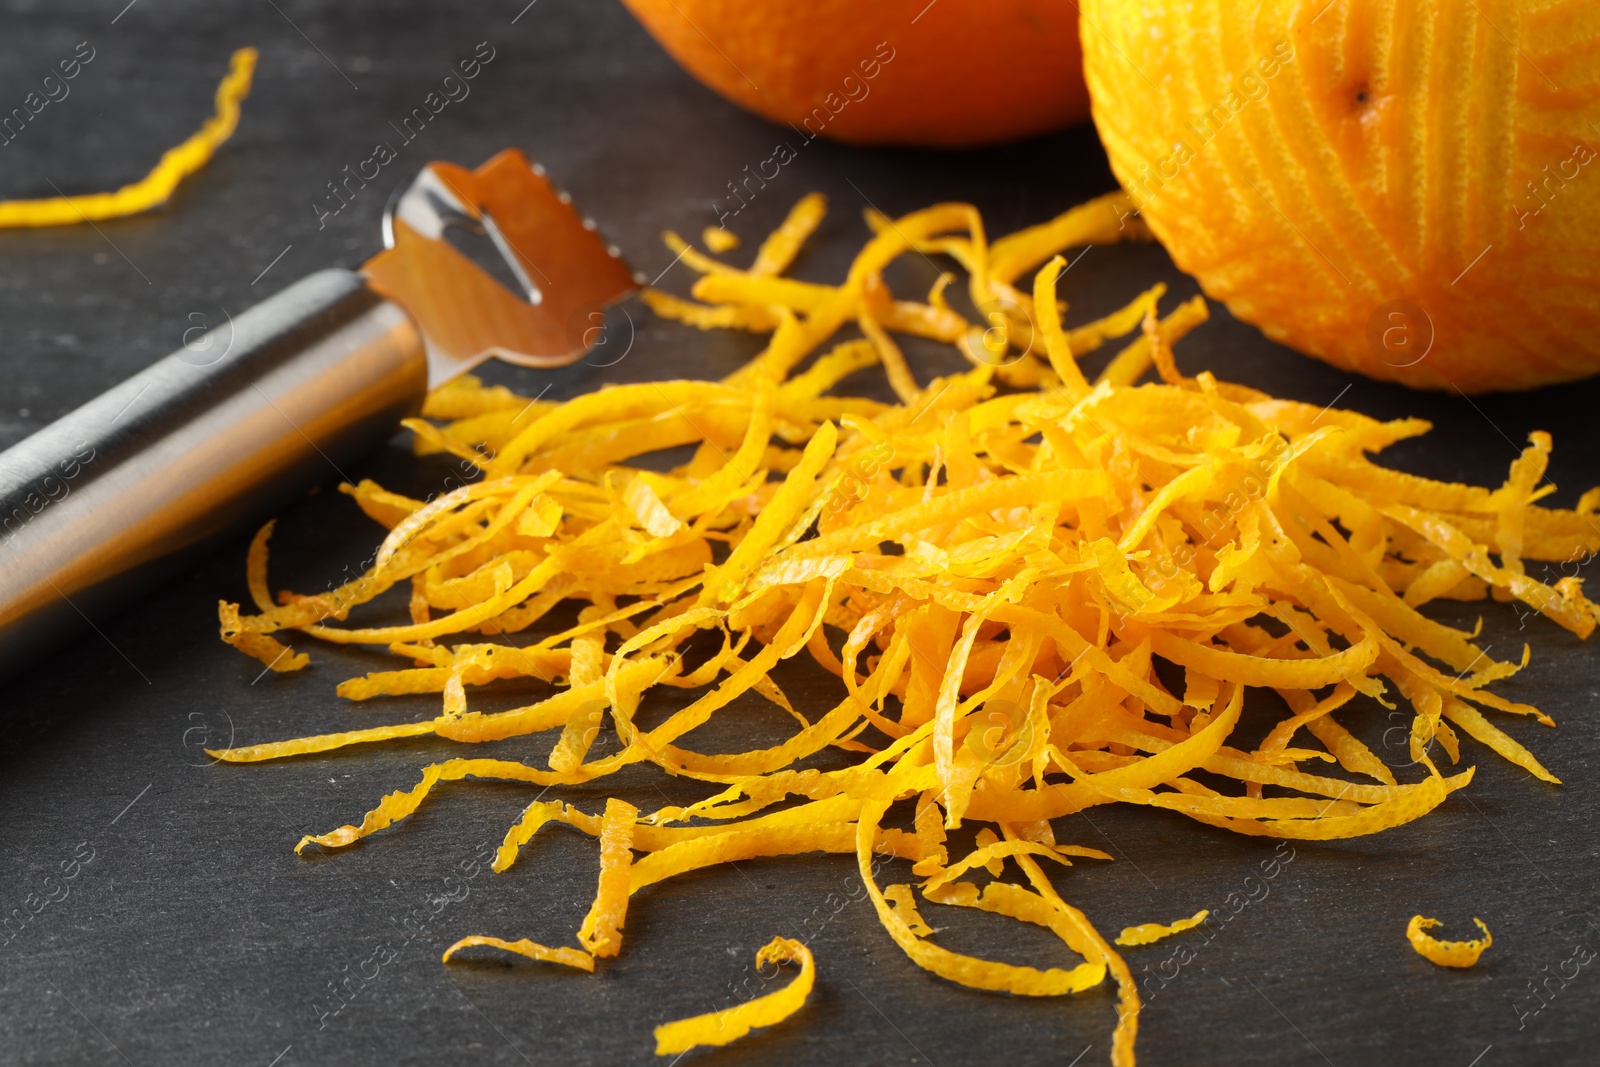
(944, 73)
(1404, 189)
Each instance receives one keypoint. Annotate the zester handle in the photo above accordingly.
(108, 500)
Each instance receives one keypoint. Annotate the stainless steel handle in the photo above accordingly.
(106, 501)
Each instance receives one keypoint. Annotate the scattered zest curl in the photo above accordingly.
(722, 1027)
(1446, 953)
(1150, 933)
(154, 188)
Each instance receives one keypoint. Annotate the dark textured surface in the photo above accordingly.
(194, 935)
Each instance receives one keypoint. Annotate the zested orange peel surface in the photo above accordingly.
(1314, 167)
(1042, 590)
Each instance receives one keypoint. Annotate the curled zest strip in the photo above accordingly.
(568, 957)
(957, 967)
(154, 188)
(1446, 953)
(1150, 933)
(730, 1024)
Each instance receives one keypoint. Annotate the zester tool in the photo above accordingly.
(105, 502)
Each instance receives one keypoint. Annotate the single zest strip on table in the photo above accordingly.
(1446, 953)
(156, 187)
(1150, 933)
(730, 1024)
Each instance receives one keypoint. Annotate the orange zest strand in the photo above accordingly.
(730, 1024)
(568, 957)
(156, 187)
(1150, 933)
(1446, 953)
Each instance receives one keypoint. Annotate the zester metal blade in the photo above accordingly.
(568, 273)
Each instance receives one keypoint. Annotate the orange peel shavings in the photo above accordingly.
(156, 187)
(730, 1024)
(1045, 583)
(1150, 933)
(1446, 953)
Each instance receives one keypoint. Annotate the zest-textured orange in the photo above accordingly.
(1408, 190)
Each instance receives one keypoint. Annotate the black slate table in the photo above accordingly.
(170, 922)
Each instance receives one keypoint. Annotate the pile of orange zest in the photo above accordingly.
(155, 188)
(1446, 953)
(1150, 933)
(730, 1024)
(1041, 588)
